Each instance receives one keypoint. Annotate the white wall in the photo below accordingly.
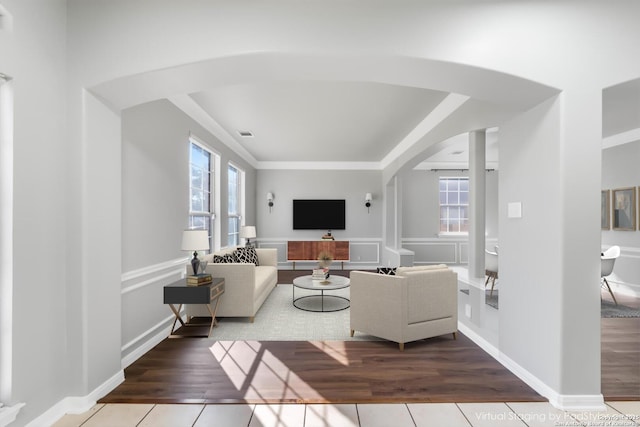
(33, 53)
(363, 228)
(155, 197)
(421, 217)
(620, 170)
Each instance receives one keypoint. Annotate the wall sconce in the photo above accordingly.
(270, 200)
(367, 201)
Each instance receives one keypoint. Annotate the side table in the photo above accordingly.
(179, 293)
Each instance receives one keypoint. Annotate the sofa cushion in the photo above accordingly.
(390, 271)
(224, 259)
(265, 276)
(247, 254)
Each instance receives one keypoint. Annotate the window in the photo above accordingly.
(201, 189)
(235, 177)
(454, 205)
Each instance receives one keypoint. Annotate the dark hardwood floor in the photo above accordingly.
(434, 370)
(620, 353)
(205, 371)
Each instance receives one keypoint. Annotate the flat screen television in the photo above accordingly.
(318, 214)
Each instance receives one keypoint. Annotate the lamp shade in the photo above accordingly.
(269, 196)
(195, 240)
(368, 197)
(248, 232)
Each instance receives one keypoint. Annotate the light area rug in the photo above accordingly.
(279, 320)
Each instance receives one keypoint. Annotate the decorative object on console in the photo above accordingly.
(328, 236)
(200, 279)
(248, 232)
(367, 200)
(203, 266)
(195, 240)
(325, 259)
(270, 200)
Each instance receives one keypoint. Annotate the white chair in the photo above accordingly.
(607, 261)
(416, 303)
(491, 267)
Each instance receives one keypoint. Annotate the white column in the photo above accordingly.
(550, 170)
(477, 197)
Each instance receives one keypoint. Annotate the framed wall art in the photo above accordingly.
(624, 209)
(605, 209)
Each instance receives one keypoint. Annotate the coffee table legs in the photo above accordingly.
(322, 297)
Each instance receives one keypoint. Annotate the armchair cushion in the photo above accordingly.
(401, 271)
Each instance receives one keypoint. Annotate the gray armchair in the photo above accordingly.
(417, 303)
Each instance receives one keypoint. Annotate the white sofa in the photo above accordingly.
(416, 303)
(246, 286)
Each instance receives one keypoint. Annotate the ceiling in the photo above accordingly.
(318, 121)
(321, 121)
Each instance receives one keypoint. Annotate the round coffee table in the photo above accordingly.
(333, 283)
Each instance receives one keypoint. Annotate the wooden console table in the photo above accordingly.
(179, 293)
(308, 250)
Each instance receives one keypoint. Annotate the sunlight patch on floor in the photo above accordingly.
(251, 368)
(335, 349)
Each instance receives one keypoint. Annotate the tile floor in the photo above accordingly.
(519, 414)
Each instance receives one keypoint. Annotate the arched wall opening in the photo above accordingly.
(486, 107)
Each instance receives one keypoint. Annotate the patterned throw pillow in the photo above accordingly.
(390, 271)
(247, 254)
(224, 259)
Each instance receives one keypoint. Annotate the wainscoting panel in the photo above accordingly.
(433, 252)
(145, 317)
(281, 246)
(365, 252)
(463, 253)
(445, 250)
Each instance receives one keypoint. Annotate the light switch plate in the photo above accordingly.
(514, 210)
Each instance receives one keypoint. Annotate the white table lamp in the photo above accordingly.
(195, 240)
(248, 232)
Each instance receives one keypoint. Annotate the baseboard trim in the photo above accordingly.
(480, 341)
(155, 339)
(77, 404)
(579, 402)
(564, 402)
